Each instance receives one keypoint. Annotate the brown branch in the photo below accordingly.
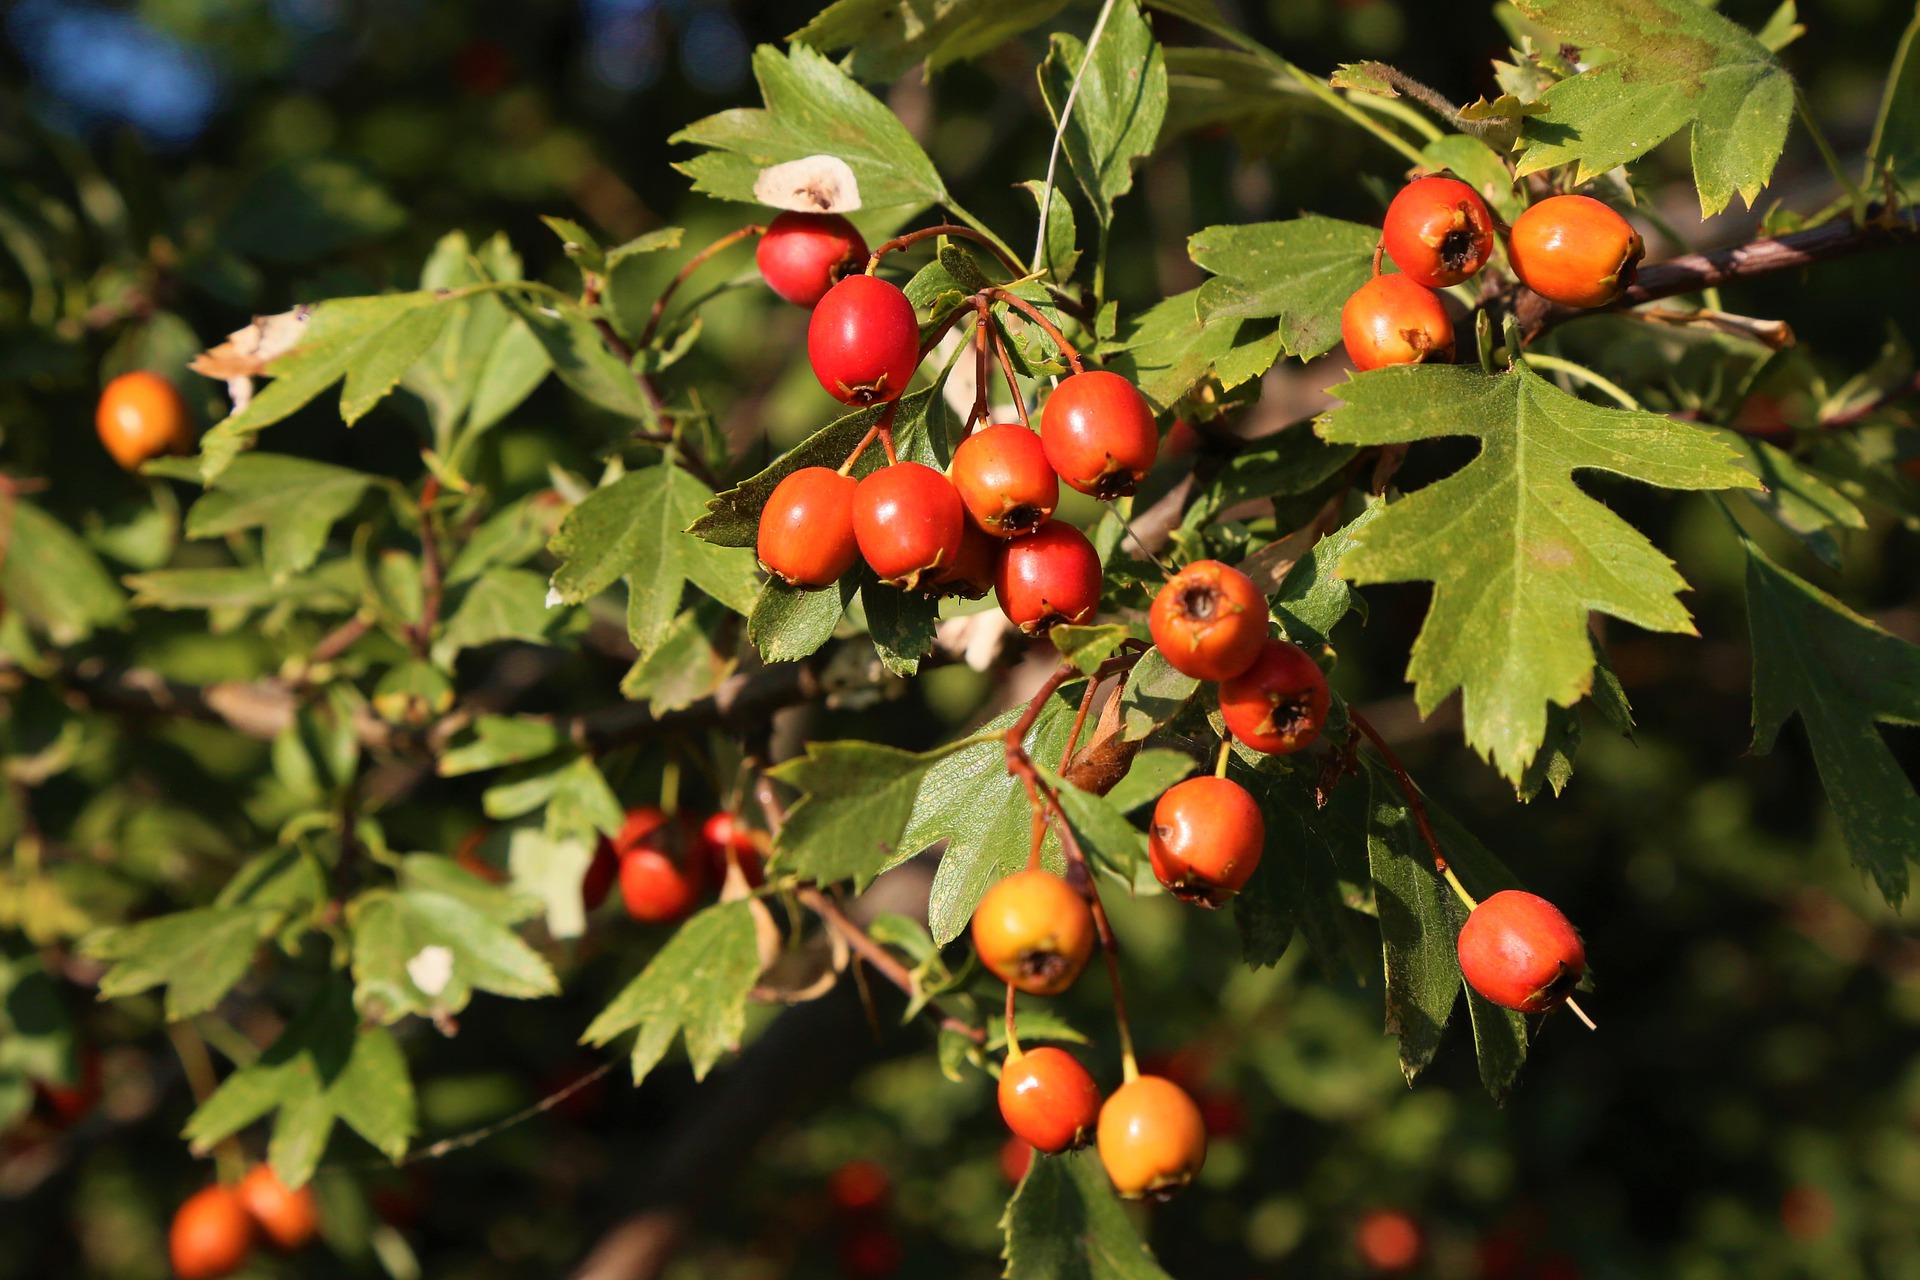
(1415, 804)
(877, 957)
(1033, 313)
(432, 570)
(945, 229)
(693, 264)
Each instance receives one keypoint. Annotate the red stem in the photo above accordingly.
(1033, 313)
(945, 229)
(693, 264)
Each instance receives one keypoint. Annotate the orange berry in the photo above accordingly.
(140, 416)
(1152, 1137)
(1034, 932)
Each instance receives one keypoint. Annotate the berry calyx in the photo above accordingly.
(1048, 1099)
(1152, 1139)
(1003, 477)
(1208, 621)
(864, 341)
(1033, 932)
(802, 255)
(1206, 839)
(806, 529)
(1574, 250)
(1520, 952)
(970, 576)
(1278, 704)
(1099, 434)
(1438, 231)
(907, 521)
(288, 1219)
(1392, 320)
(1048, 577)
(659, 881)
(140, 416)
(211, 1234)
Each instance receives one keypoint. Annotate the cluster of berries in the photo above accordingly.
(665, 863)
(214, 1230)
(984, 525)
(1572, 250)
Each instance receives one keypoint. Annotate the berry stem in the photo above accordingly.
(1415, 804)
(693, 264)
(1006, 259)
(883, 424)
(1013, 1040)
(982, 365)
(1459, 889)
(1579, 1013)
(1006, 368)
(1226, 753)
(197, 1064)
(1379, 251)
(1033, 313)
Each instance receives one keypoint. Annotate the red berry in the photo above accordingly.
(211, 1234)
(1208, 621)
(1206, 839)
(864, 341)
(725, 840)
(1574, 250)
(806, 529)
(1033, 932)
(802, 255)
(1806, 1212)
(1392, 320)
(1005, 480)
(1152, 1139)
(288, 1218)
(597, 883)
(1389, 1241)
(1438, 231)
(859, 1186)
(1048, 577)
(970, 576)
(659, 881)
(1016, 1157)
(140, 416)
(907, 520)
(1099, 434)
(1278, 704)
(1047, 1098)
(1518, 951)
(869, 1251)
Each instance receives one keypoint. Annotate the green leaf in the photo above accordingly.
(1814, 657)
(901, 624)
(789, 623)
(1288, 462)
(968, 800)
(692, 660)
(654, 241)
(1300, 272)
(1475, 163)
(1087, 647)
(323, 1067)
(636, 528)
(1796, 496)
(1896, 130)
(329, 588)
(498, 741)
(813, 108)
(1517, 552)
(1154, 694)
(424, 952)
(890, 37)
(1419, 921)
(1059, 253)
(578, 244)
(36, 1032)
(197, 955)
(856, 801)
(550, 870)
(503, 604)
(1118, 111)
(1102, 829)
(337, 335)
(516, 365)
(294, 502)
(697, 983)
(1311, 873)
(1313, 597)
(1168, 350)
(732, 517)
(1148, 777)
(378, 365)
(1676, 64)
(51, 579)
(580, 356)
(1065, 1223)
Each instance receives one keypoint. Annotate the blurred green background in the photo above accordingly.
(1750, 1106)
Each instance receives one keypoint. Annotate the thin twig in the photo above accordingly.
(692, 265)
(1005, 259)
(1033, 313)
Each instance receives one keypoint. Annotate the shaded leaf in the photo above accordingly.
(696, 984)
(1119, 108)
(1066, 1223)
(1300, 272)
